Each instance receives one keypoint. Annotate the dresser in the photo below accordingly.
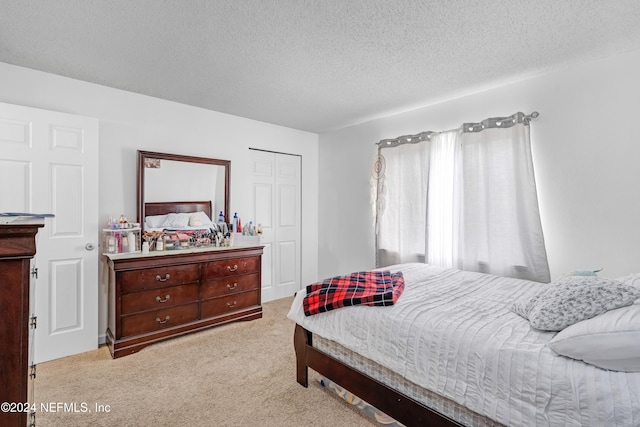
(17, 248)
(166, 294)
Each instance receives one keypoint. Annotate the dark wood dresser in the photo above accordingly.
(166, 294)
(17, 248)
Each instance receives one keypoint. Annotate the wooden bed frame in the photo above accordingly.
(393, 403)
(163, 208)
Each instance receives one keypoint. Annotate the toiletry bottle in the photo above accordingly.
(221, 217)
(131, 238)
(111, 245)
(235, 223)
(125, 243)
(239, 230)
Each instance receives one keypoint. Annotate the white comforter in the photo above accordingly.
(452, 332)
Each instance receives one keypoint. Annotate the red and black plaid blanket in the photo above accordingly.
(374, 288)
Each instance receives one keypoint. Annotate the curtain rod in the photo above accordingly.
(494, 122)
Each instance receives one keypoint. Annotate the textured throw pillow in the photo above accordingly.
(176, 221)
(609, 341)
(523, 305)
(155, 221)
(578, 298)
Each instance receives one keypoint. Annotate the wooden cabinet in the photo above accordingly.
(17, 247)
(166, 294)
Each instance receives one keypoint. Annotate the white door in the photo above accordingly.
(277, 207)
(49, 164)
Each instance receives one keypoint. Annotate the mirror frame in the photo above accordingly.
(142, 155)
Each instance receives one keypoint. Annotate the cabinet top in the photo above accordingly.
(181, 256)
(18, 240)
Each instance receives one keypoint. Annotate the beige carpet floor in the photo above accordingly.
(241, 374)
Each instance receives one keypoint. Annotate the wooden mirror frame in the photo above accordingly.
(142, 155)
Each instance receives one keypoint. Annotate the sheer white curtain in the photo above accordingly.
(500, 229)
(463, 199)
(401, 191)
(443, 200)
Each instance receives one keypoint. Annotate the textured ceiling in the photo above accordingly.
(315, 65)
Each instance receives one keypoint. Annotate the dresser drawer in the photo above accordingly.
(158, 277)
(159, 298)
(159, 319)
(230, 267)
(230, 285)
(229, 304)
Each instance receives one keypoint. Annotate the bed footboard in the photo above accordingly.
(395, 404)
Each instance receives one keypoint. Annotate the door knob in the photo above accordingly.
(89, 246)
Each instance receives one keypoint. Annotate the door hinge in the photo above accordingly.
(32, 374)
(34, 272)
(33, 322)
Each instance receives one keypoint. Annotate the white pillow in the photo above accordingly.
(155, 221)
(176, 221)
(609, 341)
(200, 219)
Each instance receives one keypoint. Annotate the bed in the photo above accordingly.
(181, 224)
(177, 215)
(453, 352)
(163, 208)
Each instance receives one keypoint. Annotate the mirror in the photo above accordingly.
(164, 177)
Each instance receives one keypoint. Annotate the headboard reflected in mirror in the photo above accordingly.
(167, 178)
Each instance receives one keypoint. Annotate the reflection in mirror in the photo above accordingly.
(173, 181)
(166, 177)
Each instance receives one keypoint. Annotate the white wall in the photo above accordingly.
(586, 152)
(131, 122)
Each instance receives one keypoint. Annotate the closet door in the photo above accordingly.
(277, 208)
(49, 164)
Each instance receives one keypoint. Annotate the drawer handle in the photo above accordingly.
(235, 285)
(166, 318)
(235, 267)
(166, 277)
(229, 305)
(166, 298)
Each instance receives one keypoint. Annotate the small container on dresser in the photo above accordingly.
(121, 240)
(166, 294)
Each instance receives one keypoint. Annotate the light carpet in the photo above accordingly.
(240, 374)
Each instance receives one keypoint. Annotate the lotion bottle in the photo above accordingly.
(111, 245)
(131, 238)
(124, 241)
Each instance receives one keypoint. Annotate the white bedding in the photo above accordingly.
(185, 228)
(452, 332)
